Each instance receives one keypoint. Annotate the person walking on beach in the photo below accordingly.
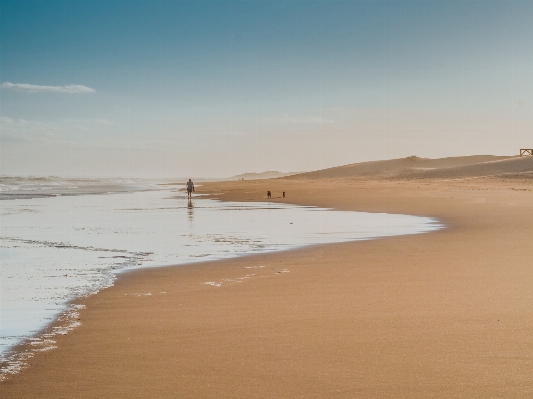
(190, 188)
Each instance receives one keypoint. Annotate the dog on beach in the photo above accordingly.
(269, 194)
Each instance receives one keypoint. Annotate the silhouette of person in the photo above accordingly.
(190, 188)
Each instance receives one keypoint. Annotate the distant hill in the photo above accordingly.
(263, 175)
(416, 167)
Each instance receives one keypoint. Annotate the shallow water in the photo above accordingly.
(59, 248)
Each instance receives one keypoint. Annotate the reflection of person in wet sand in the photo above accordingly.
(190, 188)
(190, 209)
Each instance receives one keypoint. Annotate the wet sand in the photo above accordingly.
(441, 315)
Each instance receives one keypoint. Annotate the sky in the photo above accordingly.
(218, 88)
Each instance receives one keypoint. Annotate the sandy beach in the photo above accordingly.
(446, 314)
(392, 257)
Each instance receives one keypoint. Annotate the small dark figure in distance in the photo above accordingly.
(269, 194)
(190, 188)
(284, 194)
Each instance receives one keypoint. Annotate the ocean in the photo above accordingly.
(63, 239)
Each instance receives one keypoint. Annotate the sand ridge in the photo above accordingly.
(420, 168)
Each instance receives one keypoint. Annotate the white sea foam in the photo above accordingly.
(59, 248)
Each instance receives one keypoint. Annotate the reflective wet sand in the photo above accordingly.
(59, 249)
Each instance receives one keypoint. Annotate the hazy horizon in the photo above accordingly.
(221, 88)
(253, 174)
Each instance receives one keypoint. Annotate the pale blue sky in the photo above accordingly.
(217, 88)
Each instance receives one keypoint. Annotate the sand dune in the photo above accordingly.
(269, 174)
(499, 167)
(415, 167)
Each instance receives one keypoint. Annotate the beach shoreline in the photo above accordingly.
(138, 231)
(294, 330)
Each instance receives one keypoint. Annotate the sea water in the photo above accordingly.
(55, 248)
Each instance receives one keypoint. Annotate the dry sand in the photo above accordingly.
(442, 315)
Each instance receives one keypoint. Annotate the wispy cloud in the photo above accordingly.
(22, 130)
(29, 88)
